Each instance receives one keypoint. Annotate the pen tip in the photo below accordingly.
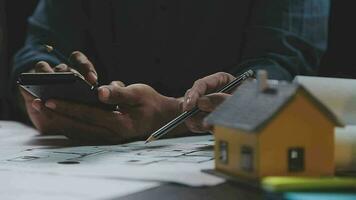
(48, 48)
(149, 139)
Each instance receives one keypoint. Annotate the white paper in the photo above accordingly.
(177, 160)
(22, 185)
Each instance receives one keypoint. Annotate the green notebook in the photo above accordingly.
(283, 184)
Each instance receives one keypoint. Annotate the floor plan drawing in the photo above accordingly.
(178, 160)
(131, 154)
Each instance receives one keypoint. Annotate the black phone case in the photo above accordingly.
(63, 86)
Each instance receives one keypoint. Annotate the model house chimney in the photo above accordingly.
(262, 80)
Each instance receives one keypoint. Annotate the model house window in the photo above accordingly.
(246, 161)
(223, 151)
(296, 159)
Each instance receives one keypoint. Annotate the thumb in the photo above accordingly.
(209, 102)
(115, 94)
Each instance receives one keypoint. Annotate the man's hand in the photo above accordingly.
(197, 96)
(47, 121)
(43, 119)
(142, 111)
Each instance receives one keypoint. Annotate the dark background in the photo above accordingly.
(337, 62)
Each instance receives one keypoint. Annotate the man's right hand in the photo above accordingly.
(200, 95)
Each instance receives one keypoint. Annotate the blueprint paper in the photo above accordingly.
(177, 160)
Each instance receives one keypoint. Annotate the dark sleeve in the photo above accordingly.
(57, 23)
(286, 37)
(3, 67)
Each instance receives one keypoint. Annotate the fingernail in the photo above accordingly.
(92, 76)
(189, 104)
(186, 95)
(82, 58)
(104, 93)
(51, 105)
(36, 105)
(60, 67)
(188, 100)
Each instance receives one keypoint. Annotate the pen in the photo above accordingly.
(59, 55)
(180, 119)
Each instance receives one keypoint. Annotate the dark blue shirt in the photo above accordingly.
(169, 44)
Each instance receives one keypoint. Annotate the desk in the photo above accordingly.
(226, 191)
(14, 140)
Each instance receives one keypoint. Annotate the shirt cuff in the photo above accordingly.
(274, 70)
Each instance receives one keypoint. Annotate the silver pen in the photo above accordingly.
(182, 117)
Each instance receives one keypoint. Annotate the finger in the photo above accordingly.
(209, 102)
(75, 129)
(48, 122)
(104, 93)
(84, 66)
(30, 101)
(205, 85)
(82, 131)
(186, 99)
(61, 68)
(43, 67)
(195, 123)
(84, 113)
(57, 123)
(118, 83)
(26, 95)
(37, 105)
(208, 127)
(40, 118)
(114, 124)
(114, 94)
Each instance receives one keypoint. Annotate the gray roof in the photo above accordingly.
(249, 109)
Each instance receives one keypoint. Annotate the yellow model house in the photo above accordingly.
(273, 129)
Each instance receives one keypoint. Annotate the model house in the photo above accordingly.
(273, 129)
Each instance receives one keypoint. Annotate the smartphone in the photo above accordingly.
(66, 86)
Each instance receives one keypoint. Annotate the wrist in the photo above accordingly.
(171, 108)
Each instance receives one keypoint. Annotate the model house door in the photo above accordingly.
(246, 159)
(296, 159)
